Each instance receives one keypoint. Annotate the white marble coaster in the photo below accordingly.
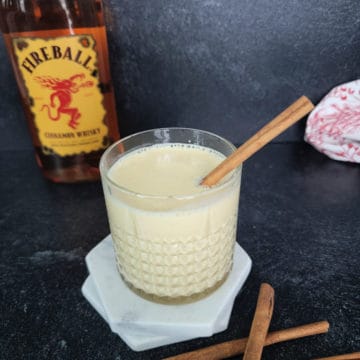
(143, 324)
(137, 341)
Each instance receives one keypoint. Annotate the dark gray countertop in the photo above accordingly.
(299, 221)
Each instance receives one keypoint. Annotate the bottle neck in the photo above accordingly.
(35, 15)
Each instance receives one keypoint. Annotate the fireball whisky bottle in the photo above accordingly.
(58, 49)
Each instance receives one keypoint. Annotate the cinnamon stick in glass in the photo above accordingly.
(279, 124)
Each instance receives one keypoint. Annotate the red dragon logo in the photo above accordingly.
(61, 96)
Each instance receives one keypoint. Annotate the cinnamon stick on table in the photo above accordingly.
(353, 356)
(260, 324)
(236, 347)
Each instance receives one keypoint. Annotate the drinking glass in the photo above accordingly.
(176, 248)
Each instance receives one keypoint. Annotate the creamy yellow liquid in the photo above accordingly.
(165, 169)
(166, 246)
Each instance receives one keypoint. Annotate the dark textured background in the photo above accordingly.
(225, 66)
(303, 241)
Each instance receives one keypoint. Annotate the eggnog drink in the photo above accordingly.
(173, 238)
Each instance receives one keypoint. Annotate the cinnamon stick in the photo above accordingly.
(260, 324)
(353, 356)
(279, 124)
(236, 347)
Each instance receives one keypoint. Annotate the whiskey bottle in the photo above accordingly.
(58, 50)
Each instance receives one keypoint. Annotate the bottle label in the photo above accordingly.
(62, 81)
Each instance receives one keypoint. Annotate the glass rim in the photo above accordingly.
(207, 191)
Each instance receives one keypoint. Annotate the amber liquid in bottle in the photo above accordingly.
(36, 34)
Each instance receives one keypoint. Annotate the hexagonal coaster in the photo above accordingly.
(136, 340)
(132, 316)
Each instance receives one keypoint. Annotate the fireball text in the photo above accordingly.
(47, 53)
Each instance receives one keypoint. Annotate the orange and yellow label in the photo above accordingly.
(61, 77)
